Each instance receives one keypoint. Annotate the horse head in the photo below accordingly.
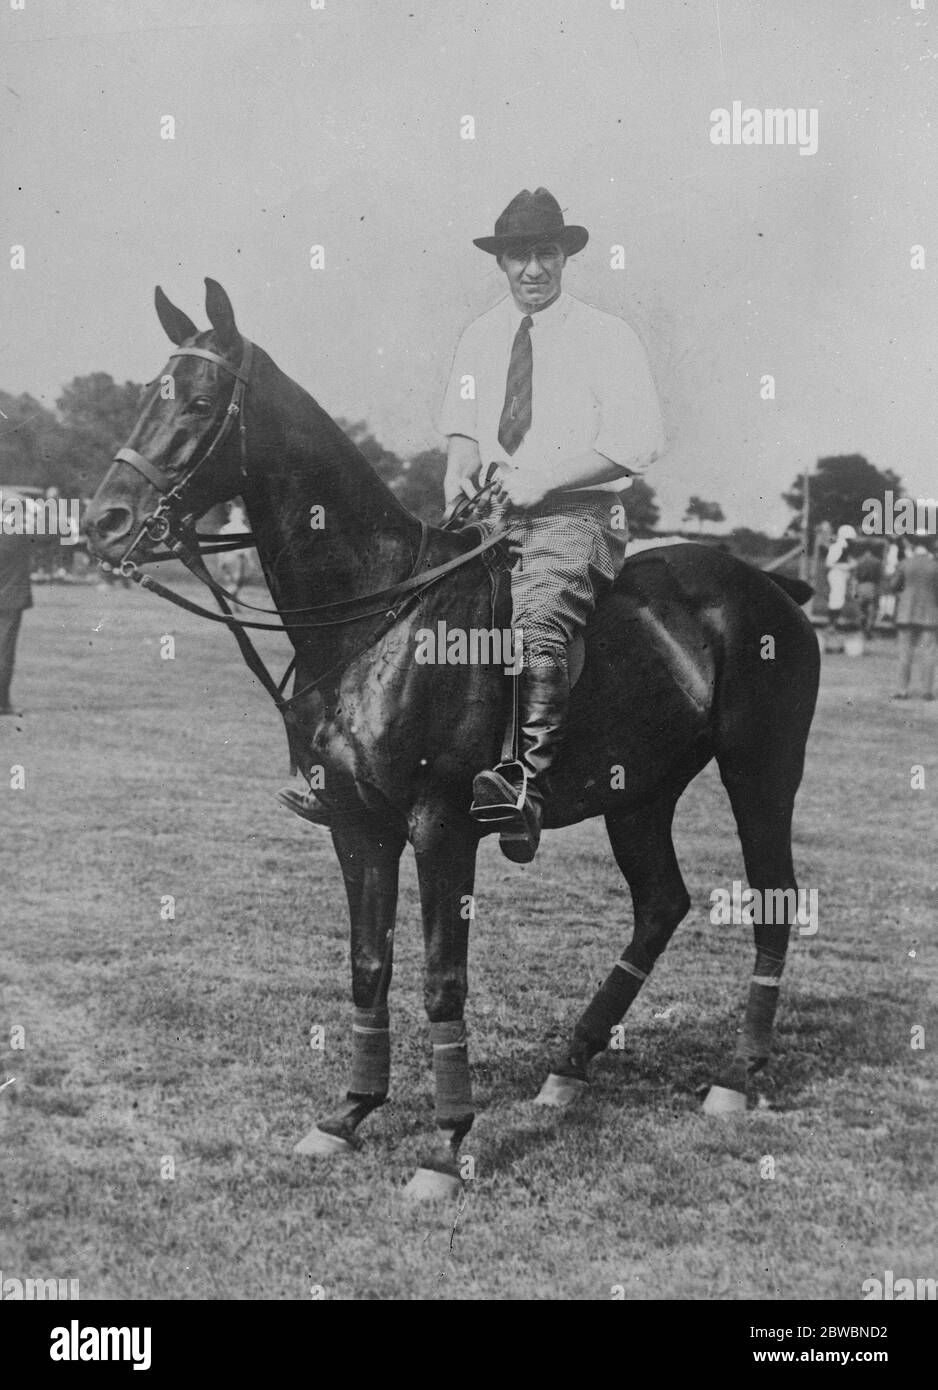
(186, 450)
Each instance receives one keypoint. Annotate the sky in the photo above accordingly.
(340, 127)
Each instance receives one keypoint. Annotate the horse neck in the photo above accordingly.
(299, 460)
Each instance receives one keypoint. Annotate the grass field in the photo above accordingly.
(148, 1040)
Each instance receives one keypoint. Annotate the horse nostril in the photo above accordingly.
(114, 522)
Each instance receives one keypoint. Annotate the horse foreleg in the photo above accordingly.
(370, 860)
(644, 851)
(445, 844)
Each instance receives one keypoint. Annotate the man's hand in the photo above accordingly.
(465, 487)
(462, 464)
(519, 487)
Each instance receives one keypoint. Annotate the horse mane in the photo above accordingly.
(338, 455)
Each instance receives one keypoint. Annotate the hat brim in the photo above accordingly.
(572, 239)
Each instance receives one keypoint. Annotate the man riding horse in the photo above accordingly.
(674, 673)
(558, 396)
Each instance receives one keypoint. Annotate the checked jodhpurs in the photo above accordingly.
(569, 554)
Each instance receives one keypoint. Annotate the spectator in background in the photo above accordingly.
(231, 567)
(45, 547)
(868, 576)
(892, 554)
(840, 565)
(15, 596)
(916, 583)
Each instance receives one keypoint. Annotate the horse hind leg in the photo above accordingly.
(762, 798)
(644, 851)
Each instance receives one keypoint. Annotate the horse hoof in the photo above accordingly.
(560, 1091)
(429, 1184)
(720, 1100)
(319, 1144)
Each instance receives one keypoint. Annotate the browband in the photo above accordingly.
(151, 471)
(214, 357)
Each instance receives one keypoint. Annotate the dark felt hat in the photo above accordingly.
(532, 217)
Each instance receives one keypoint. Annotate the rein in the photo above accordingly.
(185, 545)
(192, 559)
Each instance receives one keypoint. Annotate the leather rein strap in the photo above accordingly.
(343, 611)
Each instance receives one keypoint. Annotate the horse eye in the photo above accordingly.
(202, 405)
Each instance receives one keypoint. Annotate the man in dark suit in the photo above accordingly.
(916, 583)
(15, 596)
(868, 577)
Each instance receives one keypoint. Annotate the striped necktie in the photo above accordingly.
(516, 412)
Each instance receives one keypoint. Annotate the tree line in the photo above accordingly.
(71, 448)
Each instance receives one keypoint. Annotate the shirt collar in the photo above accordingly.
(554, 314)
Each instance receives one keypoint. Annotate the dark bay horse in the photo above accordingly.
(677, 671)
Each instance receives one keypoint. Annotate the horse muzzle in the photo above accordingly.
(107, 525)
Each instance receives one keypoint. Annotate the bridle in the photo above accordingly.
(165, 526)
(158, 525)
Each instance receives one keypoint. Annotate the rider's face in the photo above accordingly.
(534, 274)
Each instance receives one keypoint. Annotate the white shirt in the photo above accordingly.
(591, 388)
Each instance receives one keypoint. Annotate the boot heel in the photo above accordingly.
(518, 846)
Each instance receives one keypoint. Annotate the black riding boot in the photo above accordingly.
(511, 797)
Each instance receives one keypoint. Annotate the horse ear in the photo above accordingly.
(221, 315)
(178, 325)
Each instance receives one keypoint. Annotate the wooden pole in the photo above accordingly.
(805, 522)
